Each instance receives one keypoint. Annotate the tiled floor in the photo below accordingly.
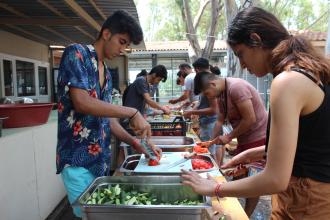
(68, 215)
(62, 212)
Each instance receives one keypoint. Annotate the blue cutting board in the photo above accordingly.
(167, 159)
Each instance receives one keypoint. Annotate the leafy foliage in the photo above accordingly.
(300, 14)
(164, 21)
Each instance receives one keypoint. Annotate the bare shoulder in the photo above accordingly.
(295, 90)
(293, 83)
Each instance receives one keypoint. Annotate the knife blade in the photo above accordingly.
(183, 160)
(145, 145)
(176, 163)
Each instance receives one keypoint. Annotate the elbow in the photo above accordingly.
(252, 120)
(80, 106)
(278, 184)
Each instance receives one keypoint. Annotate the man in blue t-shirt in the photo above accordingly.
(85, 113)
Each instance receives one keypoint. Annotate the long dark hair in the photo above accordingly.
(286, 49)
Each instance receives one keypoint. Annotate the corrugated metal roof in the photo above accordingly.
(176, 46)
(59, 22)
(311, 35)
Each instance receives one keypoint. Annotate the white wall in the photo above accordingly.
(30, 188)
(19, 46)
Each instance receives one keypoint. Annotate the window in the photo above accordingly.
(25, 78)
(8, 77)
(42, 72)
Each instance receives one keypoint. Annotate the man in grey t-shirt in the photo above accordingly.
(188, 93)
(137, 94)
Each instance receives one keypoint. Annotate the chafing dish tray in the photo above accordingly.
(171, 143)
(137, 164)
(165, 189)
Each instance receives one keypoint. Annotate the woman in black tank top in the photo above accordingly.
(297, 172)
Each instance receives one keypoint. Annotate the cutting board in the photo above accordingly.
(167, 159)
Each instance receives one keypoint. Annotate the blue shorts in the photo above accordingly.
(76, 180)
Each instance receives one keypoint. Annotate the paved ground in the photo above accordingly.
(263, 209)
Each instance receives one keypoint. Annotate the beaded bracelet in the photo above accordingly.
(217, 190)
(130, 118)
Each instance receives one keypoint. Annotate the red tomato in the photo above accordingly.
(153, 162)
(199, 149)
(200, 164)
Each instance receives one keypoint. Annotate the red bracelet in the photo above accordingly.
(135, 143)
(217, 190)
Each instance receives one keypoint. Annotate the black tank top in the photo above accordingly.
(312, 157)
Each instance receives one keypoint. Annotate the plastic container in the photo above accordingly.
(177, 127)
(25, 115)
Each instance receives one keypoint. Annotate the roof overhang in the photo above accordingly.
(51, 22)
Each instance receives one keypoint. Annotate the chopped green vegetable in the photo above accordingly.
(114, 195)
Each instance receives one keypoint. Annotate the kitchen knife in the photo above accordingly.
(145, 145)
(178, 162)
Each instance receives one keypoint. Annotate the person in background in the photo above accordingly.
(188, 94)
(86, 117)
(142, 73)
(297, 170)
(206, 110)
(240, 105)
(180, 80)
(137, 94)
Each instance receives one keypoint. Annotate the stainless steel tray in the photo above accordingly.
(165, 188)
(132, 161)
(172, 143)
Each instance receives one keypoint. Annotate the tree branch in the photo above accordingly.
(200, 12)
(216, 8)
(191, 32)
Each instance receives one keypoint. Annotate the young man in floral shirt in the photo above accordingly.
(85, 113)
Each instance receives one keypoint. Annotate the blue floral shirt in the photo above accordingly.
(82, 140)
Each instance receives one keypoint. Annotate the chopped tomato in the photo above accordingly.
(199, 164)
(153, 162)
(199, 149)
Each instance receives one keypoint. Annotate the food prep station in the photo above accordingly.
(166, 192)
(162, 181)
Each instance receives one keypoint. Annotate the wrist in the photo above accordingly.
(135, 143)
(229, 137)
(217, 190)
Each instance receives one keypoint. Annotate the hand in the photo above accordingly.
(140, 126)
(155, 149)
(241, 158)
(239, 170)
(166, 110)
(199, 185)
(222, 139)
(195, 103)
(137, 145)
(187, 114)
(205, 144)
(186, 105)
(172, 101)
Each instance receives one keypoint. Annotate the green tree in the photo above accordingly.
(300, 14)
(165, 22)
